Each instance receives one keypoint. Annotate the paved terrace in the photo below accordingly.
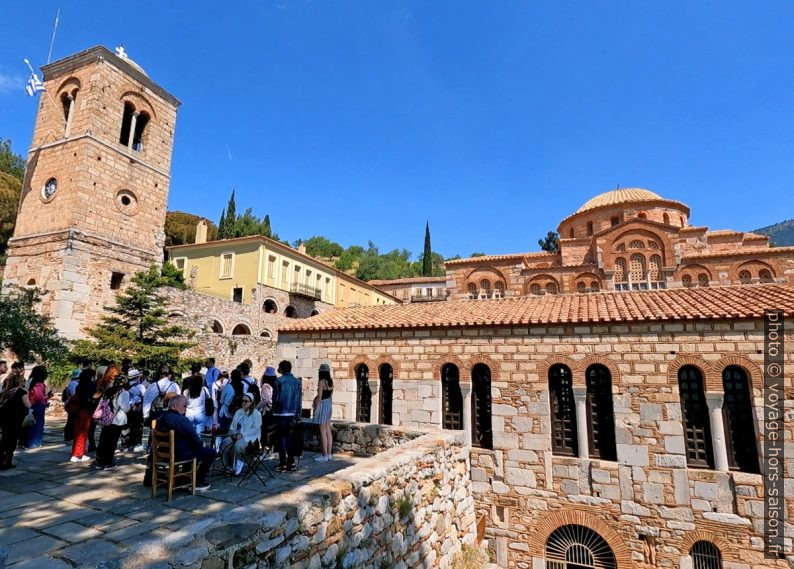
(402, 501)
(55, 514)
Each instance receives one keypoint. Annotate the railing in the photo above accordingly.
(438, 295)
(306, 290)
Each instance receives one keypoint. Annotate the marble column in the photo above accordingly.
(374, 415)
(68, 130)
(465, 390)
(715, 400)
(580, 398)
(133, 123)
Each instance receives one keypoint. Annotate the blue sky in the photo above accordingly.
(359, 120)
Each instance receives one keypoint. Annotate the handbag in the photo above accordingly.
(29, 420)
(209, 404)
(72, 405)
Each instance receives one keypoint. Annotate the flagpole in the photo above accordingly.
(54, 29)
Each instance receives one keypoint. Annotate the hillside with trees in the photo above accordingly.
(12, 172)
(780, 234)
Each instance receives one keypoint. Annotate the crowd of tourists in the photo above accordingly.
(212, 412)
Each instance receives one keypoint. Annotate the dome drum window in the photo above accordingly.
(578, 547)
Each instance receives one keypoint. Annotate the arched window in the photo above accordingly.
(620, 270)
(315, 312)
(745, 277)
(386, 375)
(614, 221)
(570, 233)
(482, 435)
(636, 244)
(637, 267)
(451, 398)
(686, 280)
(241, 330)
(472, 290)
(363, 394)
(594, 286)
(563, 411)
(655, 268)
(485, 286)
(578, 547)
(499, 289)
(551, 287)
(703, 279)
(737, 412)
(266, 334)
(695, 413)
(666, 218)
(620, 248)
(653, 245)
(126, 123)
(534, 288)
(589, 227)
(681, 220)
(141, 122)
(642, 215)
(291, 312)
(705, 555)
(580, 287)
(270, 306)
(217, 327)
(765, 276)
(600, 415)
(31, 282)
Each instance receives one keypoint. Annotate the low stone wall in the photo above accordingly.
(409, 506)
(359, 439)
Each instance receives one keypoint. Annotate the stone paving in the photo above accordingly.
(55, 514)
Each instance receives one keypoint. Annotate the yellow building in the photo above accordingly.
(236, 268)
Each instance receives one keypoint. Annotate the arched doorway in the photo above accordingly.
(482, 433)
(451, 398)
(363, 394)
(241, 330)
(291, 312)
(386, 375)
(578, 547)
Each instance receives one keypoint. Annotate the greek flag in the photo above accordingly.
(34, 85)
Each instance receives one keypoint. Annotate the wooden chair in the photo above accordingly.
(164, 466)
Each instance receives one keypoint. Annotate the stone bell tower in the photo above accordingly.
(93, 204)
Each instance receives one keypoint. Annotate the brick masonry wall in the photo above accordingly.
(648, 504)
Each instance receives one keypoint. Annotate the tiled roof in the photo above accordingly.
(746, 301)
(409, 280)
(487, 258)
(624, 195)
(741, 251)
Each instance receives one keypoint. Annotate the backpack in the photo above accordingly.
(157, 404)
(209, 404)
(104, 412)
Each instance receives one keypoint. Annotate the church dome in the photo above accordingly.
(621, 196)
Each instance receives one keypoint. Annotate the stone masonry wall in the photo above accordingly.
(407, 507)
(359, 439)
(649, 505)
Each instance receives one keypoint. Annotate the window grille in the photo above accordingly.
(551, 288)
(452, 398)
(226, 265)
(620, 248)
(653, 245)
(637, 268)
(745, 277)
(705, 555)
(703, 279)
(600, 417)
(655, 268)
(620, 270)
(363, 395)
(386, 375)
(737, 412)
(765, 276)
(472, 290)
(580, 287)
(577, 547)
(534, 288)
(563, 411)
(594, 286)
(636, 244)
(686, 280)
(499, 289)
(697, 429)
(481, 406)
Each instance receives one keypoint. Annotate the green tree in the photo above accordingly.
(427, 256)
(180, 228)
(477, 255)
(267, 231)
(349, 257)
(551, 242)
(227, 223)
(172, 276)
(222, 225)
(319, 246)
(136, 327)
(26, 332)
(10, 162)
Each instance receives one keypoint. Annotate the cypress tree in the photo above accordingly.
(266, 230)
(427, 257)
(222, 225)
(231, 218)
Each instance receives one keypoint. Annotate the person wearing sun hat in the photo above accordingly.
(246, 428)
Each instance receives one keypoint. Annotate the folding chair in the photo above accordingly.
(254, 458)
(164, 466)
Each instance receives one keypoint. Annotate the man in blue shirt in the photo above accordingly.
(212, 372)
(286, 410)
(187, 443)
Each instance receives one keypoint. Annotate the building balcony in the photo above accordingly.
(306, 290)
(438, 295)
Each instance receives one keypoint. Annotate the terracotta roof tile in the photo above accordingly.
(508, 257)
(746, 301)
(409, 280)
